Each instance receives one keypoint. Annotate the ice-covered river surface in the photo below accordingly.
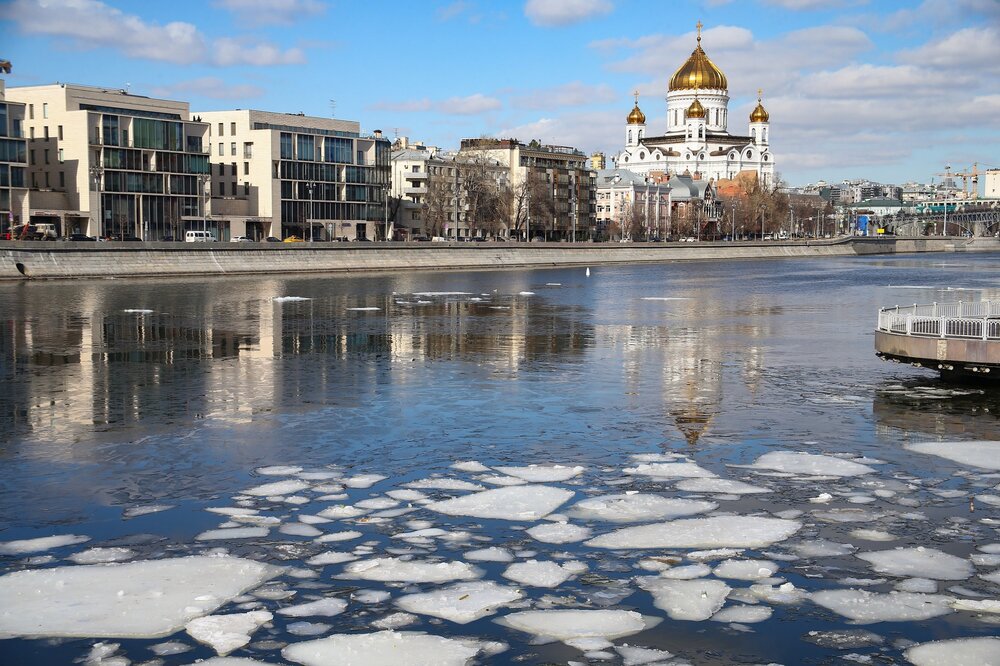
(698, 463)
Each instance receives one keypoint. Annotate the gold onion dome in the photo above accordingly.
(698, 72)
(636, 117)
(759, 114)
(696, 110)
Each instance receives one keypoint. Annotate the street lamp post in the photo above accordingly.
(96, 172)
(312, 199)
(572, 202)
(385, 204)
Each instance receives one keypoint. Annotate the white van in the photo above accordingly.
(199, 237)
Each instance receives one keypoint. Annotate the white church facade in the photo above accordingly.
(697, 141)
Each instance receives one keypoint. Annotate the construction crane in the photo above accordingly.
(5, 66)
(966, 176)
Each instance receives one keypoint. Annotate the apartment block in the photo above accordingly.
(13, 163)
(109, 163)
(280, 174)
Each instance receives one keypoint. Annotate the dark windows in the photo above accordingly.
(287, 153)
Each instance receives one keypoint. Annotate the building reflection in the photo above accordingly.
(929, 407)
(107, 358)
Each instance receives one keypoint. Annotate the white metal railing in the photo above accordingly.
(977, 320)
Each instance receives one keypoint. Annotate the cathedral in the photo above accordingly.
(697, 141)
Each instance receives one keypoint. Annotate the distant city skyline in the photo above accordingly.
(890, 91)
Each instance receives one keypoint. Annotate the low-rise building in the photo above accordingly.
(282, 174)
(632, 206)
(109, 163)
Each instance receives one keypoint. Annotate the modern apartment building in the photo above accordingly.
(108, 163)
(553, 186)
(13, 163)
(281, 174)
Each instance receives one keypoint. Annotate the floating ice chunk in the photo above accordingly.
(525, 293)
(813, 464)
(395, 621)
(565, 625)
(289, 299)
(559, 533)
(637, 507)
(491, 554)
(688, 572)
(443, 484)
(377, 503)
(863, 606)
(716, 485)
(371, 596)
(713, 532)
(921, 562)
(330, 557)
(680, 470)
(743, 614)
(146, 599)
(638, 656)
(346, 535)
(462, 602)
(442, 293)
(822, 498)
(714, 554)
(421, 534)
(406, 495)
(307, 628)
(993, 577)
(299, 529)
(515, 503)
(502, 480)
(822, 548)
(692, 600)
(102, 555)
(470, 466)
(746, 570)
(785, 593)
(543, 574)
(363, 480)
(394, 569)
(278, 470)
(40, 544)
(327, 607)
(873, 535)
(542, 473)
(985, 559)
(984, 651)
(233, 533)
(286, 487)
(339, 511)
(225, 633)
(142, 510)
(318, 476)
(924, 585)
(977, 605)
(845, 639)
(168, 648)
(982, 454)
(383, 648)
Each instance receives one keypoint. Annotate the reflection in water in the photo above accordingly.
(929, 408)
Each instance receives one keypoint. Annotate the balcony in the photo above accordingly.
(412, 175)
(410, 191)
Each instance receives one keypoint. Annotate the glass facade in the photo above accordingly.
(13, 161)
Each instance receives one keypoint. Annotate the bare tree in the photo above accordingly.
(435, 206)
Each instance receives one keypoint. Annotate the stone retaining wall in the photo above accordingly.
(53, 260)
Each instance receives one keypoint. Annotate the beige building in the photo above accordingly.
(552, 186)
(13, 163)
(280, 174)
(108, 163)
(992, 190)
(631, 206)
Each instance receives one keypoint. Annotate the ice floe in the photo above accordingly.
(982, 454)
(864, 607)
(233, 533)
(712, 532)
(102, 555)
(669, 470)
(812, 464)
(462, 602)
(692, 600)
(721, 486)
(491, 554)
(321, 607)
(564, 625)
(225, 633)
(542, 473)
(146, 599)
(383, 648)
(40, 544)
(982, 651)
(410, 571)
(637, 507)
(920, 561)
(286, 487)
(559, 533)
(745, 569)
(513, 503)
(543, 574)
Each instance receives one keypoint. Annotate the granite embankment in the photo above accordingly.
(61, 260)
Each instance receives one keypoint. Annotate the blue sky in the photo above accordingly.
(856, 89)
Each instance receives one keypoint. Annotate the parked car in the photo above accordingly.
(293, 239)
(421, 238)
(199, 237)
(129, 238)
(272, 239)
(240, 239)
(80, 237)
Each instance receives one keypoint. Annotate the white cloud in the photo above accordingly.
(569, 94)
(565, 12)
(969, 48)
(92, 24)
(272, 12)
(209, 87)
(471, 105)
(893, 82)
(587, 131)
(803, 5)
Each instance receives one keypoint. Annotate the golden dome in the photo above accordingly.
(637, 117)
(696, 110)
(698, 72)
(759, 115)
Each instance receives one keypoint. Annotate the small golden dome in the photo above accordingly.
(696, 110)
(759, 115)
(698, 72)
(636, 117)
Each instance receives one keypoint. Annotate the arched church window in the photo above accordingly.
(764, 158)
(753, 133)
(656, 156)
(640, 135)
(625, 159)
(763, 135)
(642, 156)
(749, 154)
(701, 131)
(702, 156)
(630, 136)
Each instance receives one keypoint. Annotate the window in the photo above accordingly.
(286, 146)
(222, 149)
(246, 189)
(45, 109)
(232, 128)
(247, 151)
(31, 116)
(45, 132)
(416, 168)
(31, 132)
(306, 148)
(62, 179)
(32, 161)
(232, 149)
(234, 169)
(222, 169)
(60, 133)
(221, 126)
(246, 168)
(47, 179)
(61, 156)
(46, 160)
(233, 189)
(222, 189)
